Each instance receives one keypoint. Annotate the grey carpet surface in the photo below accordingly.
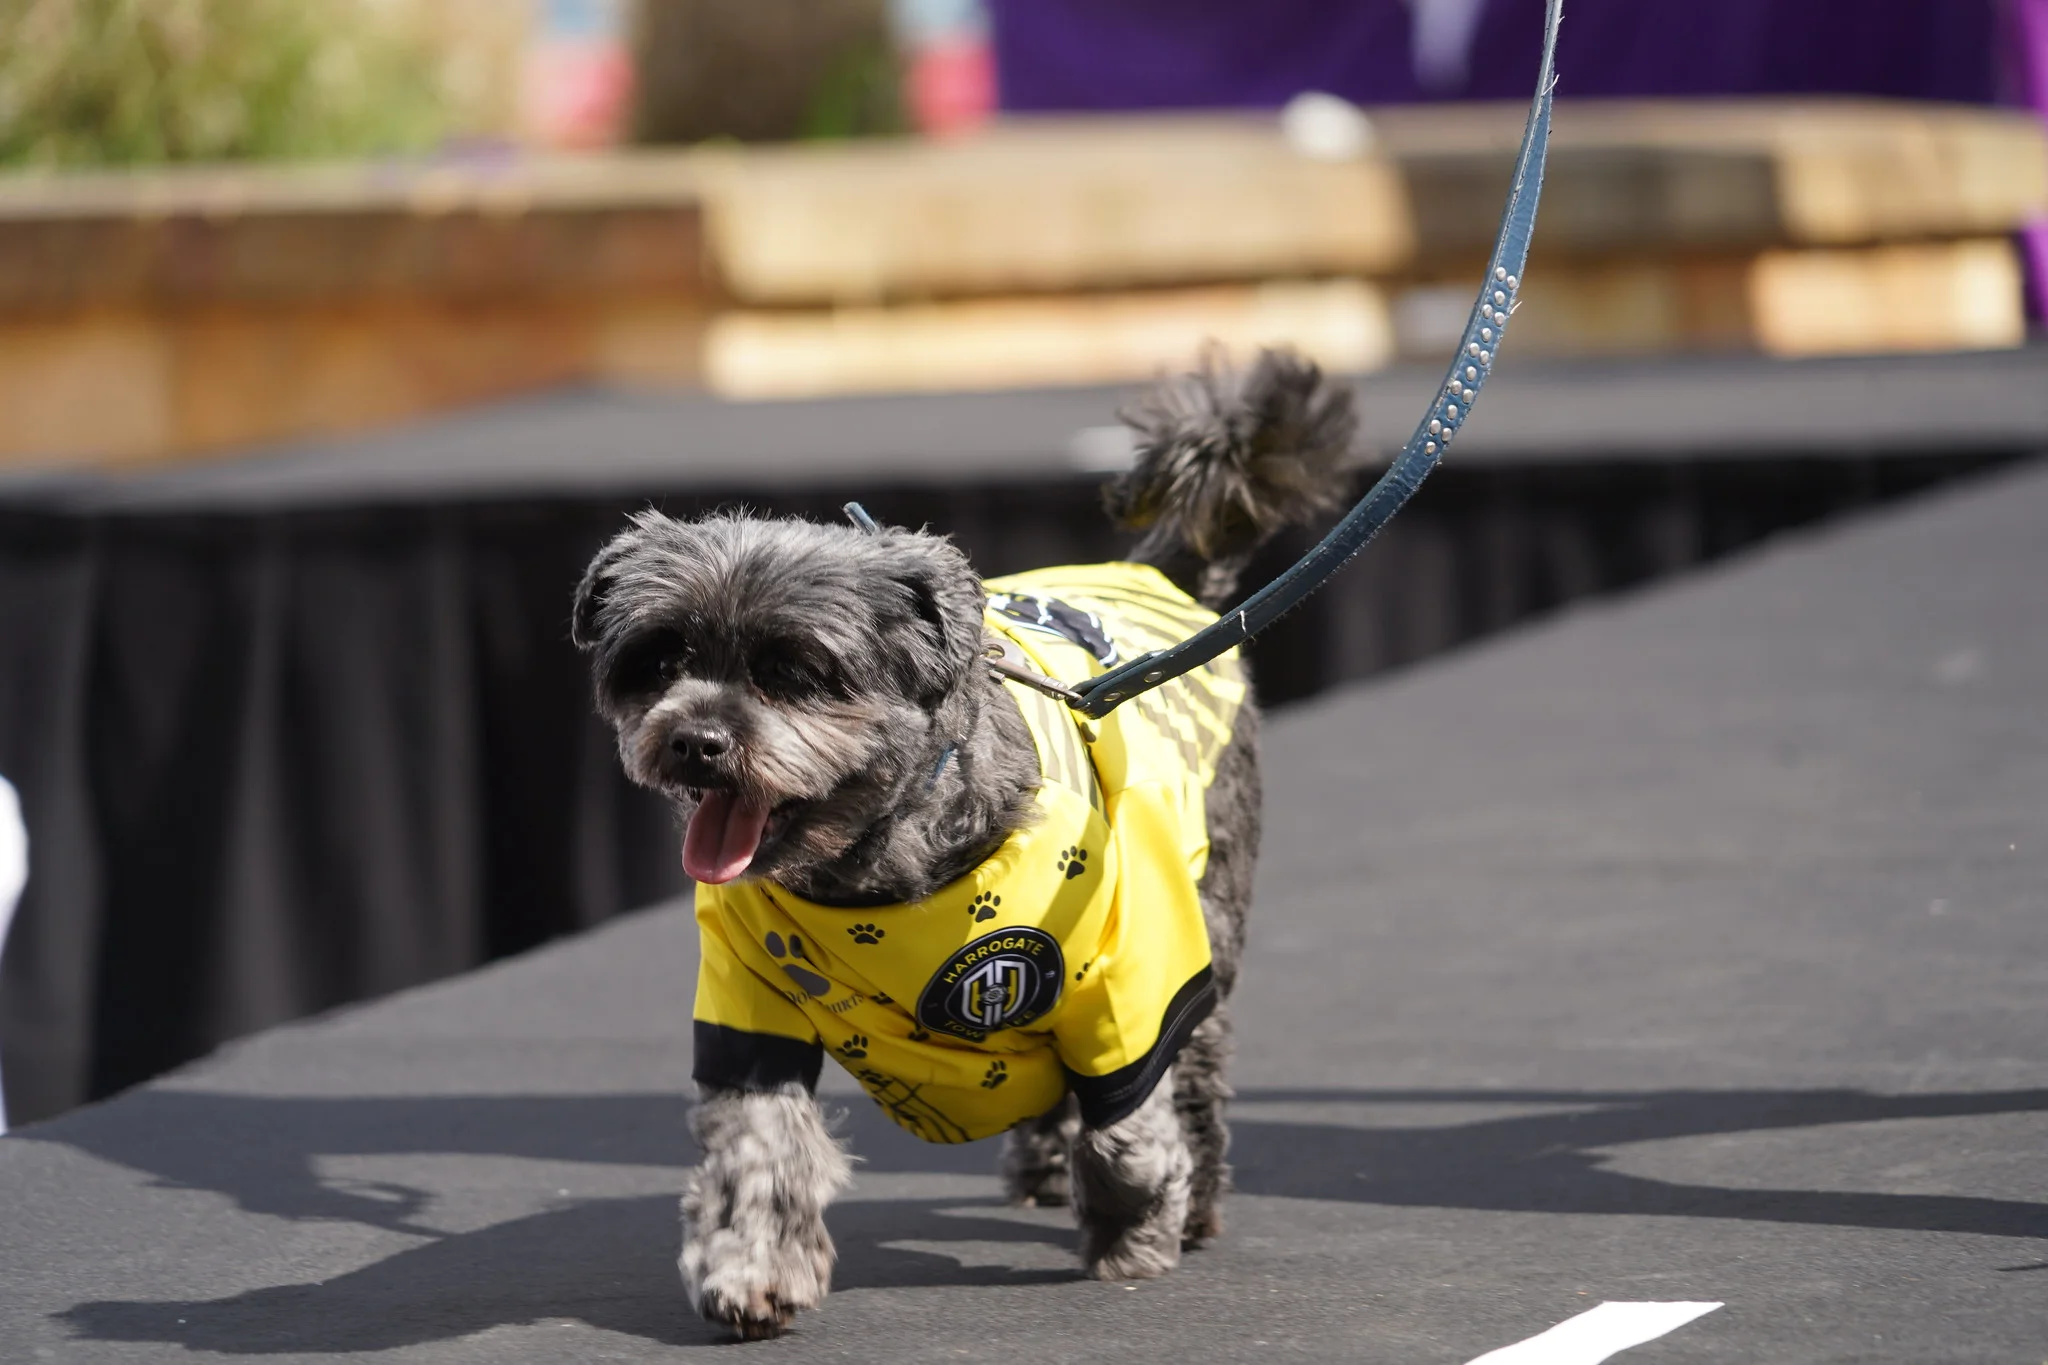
(1691, 946)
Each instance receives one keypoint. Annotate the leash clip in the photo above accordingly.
(1007, 661)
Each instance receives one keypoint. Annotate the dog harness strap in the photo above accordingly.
(1448, 412)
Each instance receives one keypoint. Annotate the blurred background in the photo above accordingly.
(335, 334)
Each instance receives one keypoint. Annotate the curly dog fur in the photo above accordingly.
(883, 762)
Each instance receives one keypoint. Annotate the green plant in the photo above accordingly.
(125, 82)
(858, 96)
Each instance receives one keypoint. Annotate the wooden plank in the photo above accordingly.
(84, 388)
(1047, 206)
(1089, 203)
(1667, 174)
(1627, 306)
(1038, 205)
(150, 385)
(525, 182)
(248, 375)
(142, 316)
(349, 255)
(1028, 342)
(1927, 296)
(169, 383)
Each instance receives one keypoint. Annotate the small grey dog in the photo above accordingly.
(816, 704)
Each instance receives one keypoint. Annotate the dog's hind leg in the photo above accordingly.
(1201, 1084)
(755, 1249)
(1034, 1163)
(1199, 1092)
(1130, 1186)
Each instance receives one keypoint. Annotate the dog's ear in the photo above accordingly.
(591, 591)
(941, 598)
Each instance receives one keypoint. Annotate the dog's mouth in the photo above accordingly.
(726, 833)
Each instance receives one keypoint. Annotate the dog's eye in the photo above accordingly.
(672, 661)
(784, 675)
(652, 663)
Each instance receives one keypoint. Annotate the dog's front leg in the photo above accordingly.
(755, 1249)
(1130, 1190)
(1035, 1156)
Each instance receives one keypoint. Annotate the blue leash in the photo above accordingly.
(1448, 412)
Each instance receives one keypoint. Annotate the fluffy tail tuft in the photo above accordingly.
(1224, 459)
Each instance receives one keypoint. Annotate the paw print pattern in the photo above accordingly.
(1074, 862)
(984, 906)
(881, 998)
(807, 981)
(867, 933)
(918, 1035)
(998, 1072)
(1082, 975)
(854, 1048)
(795, 947)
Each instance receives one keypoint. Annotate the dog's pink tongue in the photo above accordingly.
(722, 837)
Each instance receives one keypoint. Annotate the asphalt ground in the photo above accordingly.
(1687, 947)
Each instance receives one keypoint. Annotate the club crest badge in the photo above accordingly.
(1001, 980)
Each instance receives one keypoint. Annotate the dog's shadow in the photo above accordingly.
(609, 1262)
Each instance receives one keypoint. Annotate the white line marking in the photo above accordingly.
(1593, 1336)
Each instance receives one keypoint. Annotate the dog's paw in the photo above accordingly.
(1036, 1169)
(1129, 1241)
(1041, 1190)
(1142, 1253)
(751, 1313)
(760, 1319)
(1204, 1226)
(754, 1290)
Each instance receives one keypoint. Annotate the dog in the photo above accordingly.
(999, 917)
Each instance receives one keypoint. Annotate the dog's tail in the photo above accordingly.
(1224, 459)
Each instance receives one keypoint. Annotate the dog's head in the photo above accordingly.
(777, 680)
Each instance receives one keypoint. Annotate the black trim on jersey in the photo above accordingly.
(734, 1059)
(1105, 1099)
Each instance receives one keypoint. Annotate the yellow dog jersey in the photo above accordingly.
(1074, 958)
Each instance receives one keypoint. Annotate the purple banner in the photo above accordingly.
(1148, 54)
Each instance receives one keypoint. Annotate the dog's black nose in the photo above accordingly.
(702, 740)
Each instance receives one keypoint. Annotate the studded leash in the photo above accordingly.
(1449, 410)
